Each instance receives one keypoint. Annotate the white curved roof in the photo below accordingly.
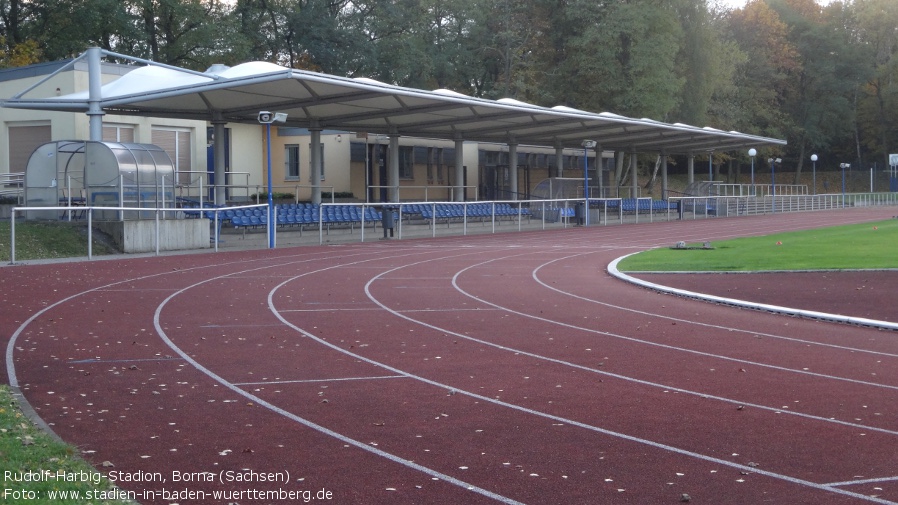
(365, 105)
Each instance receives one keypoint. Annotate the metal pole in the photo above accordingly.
(95, 94)
(157, 230)
(121, 198)
(68, 191)
(12, 237)
(585, 186)
(814, 169)
(90, 233)
(753, 174)
(270, 200)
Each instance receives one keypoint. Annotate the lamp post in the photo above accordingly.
(814, 168)
(587, 145)
(267, 118)
(751, 154)
(773, 162)
(843, 166)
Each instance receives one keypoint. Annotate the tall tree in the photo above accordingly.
(624, 59)
(878, 104)
(764, 79)
(819, 99)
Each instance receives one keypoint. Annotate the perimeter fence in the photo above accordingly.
(360, 222)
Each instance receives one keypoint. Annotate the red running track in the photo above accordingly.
(508, 368)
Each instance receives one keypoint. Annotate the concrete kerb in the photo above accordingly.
(809, 314)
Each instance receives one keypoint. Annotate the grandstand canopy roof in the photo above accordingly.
(311, 99)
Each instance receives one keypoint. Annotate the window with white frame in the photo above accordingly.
(118, 133)
(177, 143)
(291, 162)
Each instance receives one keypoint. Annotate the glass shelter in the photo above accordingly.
(99, 174)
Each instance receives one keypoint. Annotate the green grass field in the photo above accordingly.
(862, 246)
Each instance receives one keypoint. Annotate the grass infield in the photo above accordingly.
(851, 247)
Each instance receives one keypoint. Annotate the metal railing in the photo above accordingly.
(12, 185)
(424, 218)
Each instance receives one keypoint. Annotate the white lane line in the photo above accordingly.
(305, 422)
(863, 481)
(303, 381)
(610, 374)
(13, 339)
(663, 346)
(699, 323)
(552, 417)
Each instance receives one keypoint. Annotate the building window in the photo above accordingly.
(23, 140)
(118, 133)
(406, 162)
(177, 144)
(291, 162)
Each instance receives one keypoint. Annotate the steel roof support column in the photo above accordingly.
(95, 94)
(218, 153)
(459, 195)
(513, 168)
(633, 180)
(663, 175)
(618, 170)
(690, 166)
(315, 158)
(393, 169)
(559, 160)
(600, 164)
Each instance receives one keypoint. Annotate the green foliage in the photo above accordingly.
(338, 194)
(263, 196)
(47, 240)
(868, 245)
(823, 77)
(24, 448)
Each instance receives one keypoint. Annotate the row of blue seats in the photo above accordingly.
(460, 211)
(330, 215)
(641, 205)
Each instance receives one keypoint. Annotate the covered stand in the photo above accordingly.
(99, 174)
(557, 188)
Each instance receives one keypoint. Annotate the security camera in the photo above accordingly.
(266, 117)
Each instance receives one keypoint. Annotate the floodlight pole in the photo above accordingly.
(270, 199)
(266, 118)
(843, 166)
(585, 186)
(587, 144)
